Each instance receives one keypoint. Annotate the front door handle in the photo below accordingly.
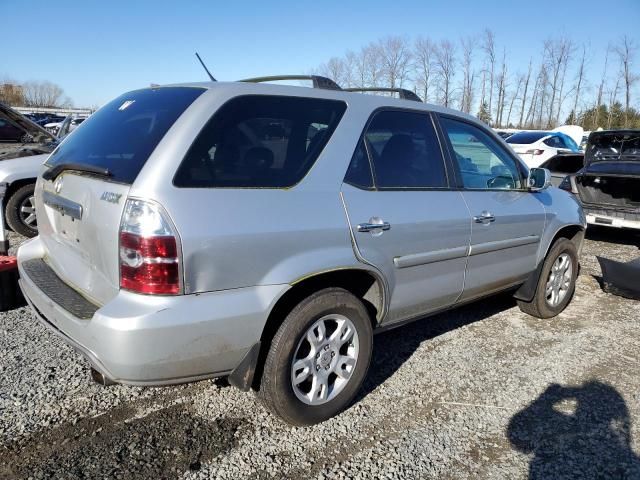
(484, 217)
(374, 226)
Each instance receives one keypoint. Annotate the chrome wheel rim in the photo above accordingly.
(28, 212)
(324, 359)
(559, 281)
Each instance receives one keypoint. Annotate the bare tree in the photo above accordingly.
(489, 48)
(502, 87)
(468, 46)
(335, 69)
(514, 97)
(445, 68)
(579, 79)
(43, 94)
(626, 51)
(556, 54)
(424, 59)
(613, 95)
(524, 95)
(603, 81)
(395, 56)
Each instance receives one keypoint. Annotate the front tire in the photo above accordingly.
(21, 211)
(318, 358)
(557, 281)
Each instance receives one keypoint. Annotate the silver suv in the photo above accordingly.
(264, 232)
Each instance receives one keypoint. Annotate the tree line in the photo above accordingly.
(33, 94)
(474, 75)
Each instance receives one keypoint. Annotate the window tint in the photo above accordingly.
(554, 142)
(359, 172)
(260, 141)
(122, 134)
(483, 163)
(405, 151)
(526, 137)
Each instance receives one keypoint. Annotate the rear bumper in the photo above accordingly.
(155, 340)
(607, 217)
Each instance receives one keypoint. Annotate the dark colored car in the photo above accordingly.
(562, 165)
(10, 132)
(609, 184)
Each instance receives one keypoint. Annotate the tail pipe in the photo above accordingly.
(100, 378)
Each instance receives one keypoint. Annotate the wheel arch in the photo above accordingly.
(366, 284)
(573, 232)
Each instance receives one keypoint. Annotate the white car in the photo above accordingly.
(536, 147)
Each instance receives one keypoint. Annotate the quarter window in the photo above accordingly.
(405, 151)
(359, 172)
(260, 141)
(482, 162)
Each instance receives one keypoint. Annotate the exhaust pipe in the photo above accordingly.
(100, 378)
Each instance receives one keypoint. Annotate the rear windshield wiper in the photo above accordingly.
(56, 170)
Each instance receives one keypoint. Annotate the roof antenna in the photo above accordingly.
(205, 68)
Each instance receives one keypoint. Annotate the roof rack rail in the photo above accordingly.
(318, 81)
(402, 92)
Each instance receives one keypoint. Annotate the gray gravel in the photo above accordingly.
(480, 392)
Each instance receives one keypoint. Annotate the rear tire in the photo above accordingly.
(304, 381)
(557, 281)
(20, 211)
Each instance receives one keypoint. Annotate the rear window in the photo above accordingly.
(122, 134)
(258, 141)
(526, 137)
(614, 146)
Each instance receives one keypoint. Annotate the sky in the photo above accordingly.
(97, 50)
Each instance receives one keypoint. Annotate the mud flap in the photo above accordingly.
(620, 278)
(242, 376)
(527, 290)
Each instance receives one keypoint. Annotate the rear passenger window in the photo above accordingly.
(359, 172)
(404, 150)
(483, 163)
(260, 141)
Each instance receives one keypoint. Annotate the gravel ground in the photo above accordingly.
(484, 391)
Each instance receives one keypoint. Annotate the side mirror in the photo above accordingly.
(539, 179)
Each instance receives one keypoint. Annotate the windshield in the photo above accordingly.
(122, 134)
(526, 137)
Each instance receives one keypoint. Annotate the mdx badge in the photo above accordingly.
(111, 197)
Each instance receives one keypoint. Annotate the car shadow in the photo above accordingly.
(613, 235)
(576, 432)
(394, 347)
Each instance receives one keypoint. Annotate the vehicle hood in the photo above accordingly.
(21, 168)
(41, 140)
(39, 134)
(613, 151)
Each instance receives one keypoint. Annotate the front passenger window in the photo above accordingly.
(483, 163)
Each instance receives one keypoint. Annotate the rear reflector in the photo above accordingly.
(149, 254)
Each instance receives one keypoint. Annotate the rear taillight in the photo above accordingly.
(149, 253)
(535, 151)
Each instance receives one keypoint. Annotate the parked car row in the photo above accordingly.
(265, 232)
(20, 163)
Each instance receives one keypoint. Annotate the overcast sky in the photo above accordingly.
(98, 50)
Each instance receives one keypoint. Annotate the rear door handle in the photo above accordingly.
(373, 227)
(484, 217)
